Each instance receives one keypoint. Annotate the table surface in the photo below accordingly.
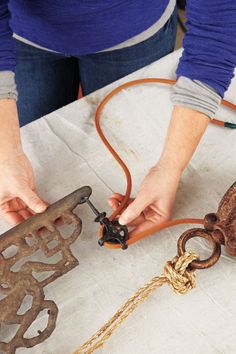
(66, 154)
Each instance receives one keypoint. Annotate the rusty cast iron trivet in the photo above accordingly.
(36, 233)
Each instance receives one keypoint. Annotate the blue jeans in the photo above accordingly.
(47, 81)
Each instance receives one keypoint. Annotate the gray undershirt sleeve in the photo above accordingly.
(8, 85)
(196, 95)
(186, 92)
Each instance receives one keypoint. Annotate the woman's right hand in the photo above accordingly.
(18, 197)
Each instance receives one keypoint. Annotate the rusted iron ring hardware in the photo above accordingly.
(219, 229)
(192, 233)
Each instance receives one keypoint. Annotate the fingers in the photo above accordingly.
(135, 209)
(32, 200)
(18, 199)
(13, 218)
(145, 225)
(119, 197)
(115, 200)
(25, 213)
(114, 204)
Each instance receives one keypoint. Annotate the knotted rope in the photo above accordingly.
(176, 273)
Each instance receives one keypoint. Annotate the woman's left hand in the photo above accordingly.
(154, 202)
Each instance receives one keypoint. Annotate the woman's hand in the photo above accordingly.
(18, 198)
(154, 202)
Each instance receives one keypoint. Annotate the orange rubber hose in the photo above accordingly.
(163, 225)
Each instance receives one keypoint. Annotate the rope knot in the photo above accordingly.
(180, 278)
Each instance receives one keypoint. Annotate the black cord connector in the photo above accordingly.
(112, 232)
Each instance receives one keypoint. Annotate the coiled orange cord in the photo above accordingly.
(124, 202)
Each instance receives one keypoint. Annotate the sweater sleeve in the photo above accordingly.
(209, 54)
(7, 55)
(196, 95)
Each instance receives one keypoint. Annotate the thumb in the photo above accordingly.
(134, 209)
(32, 200)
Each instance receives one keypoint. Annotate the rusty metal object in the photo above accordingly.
(219, 229)
(200, 264)
(17, 272)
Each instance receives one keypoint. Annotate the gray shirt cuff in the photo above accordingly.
(196, 95)
(8, 85)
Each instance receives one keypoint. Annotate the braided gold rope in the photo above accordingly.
(176, 274)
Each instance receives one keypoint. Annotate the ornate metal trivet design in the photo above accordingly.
(17, 272)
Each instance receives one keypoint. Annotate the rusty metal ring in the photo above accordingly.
(197, 232)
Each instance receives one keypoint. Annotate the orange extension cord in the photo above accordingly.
(124, 202)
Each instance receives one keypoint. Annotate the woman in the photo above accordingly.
(59, 44)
